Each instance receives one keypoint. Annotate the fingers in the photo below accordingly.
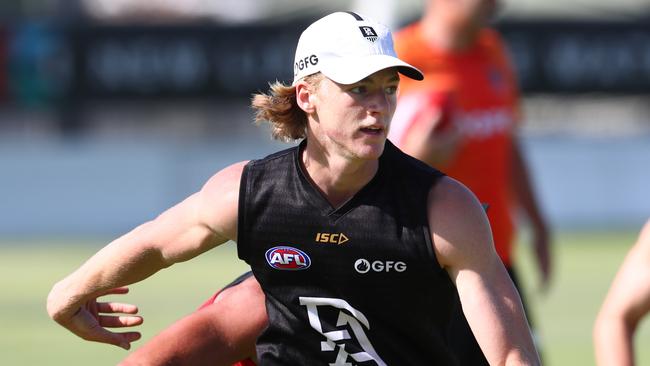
(127, 338)
(120, 321)
(91, 328)
(89, 323)
(116, 291)
(122, 340)
(116, 307)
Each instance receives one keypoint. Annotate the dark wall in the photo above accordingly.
(581, 57)
(41, 62)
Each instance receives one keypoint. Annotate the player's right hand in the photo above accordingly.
(90, 321)
(429, 130)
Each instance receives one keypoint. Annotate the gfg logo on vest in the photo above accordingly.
(287, 258)
(365, 266)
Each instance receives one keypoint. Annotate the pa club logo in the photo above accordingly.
(369, 33)
(287, 258)
(351, 327)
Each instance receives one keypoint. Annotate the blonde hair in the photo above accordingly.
(280, 109)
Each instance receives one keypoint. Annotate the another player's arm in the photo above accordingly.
(463, 244)
(525, 197)
(221, 333)
(627, 301)
(199, 223)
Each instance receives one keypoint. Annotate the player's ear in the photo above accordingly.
(305, 96)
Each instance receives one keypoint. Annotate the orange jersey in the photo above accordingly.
(481, 84)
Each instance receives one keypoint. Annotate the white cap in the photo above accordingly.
(346, 48)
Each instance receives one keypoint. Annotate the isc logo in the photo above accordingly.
(287, 258)
(331, 238)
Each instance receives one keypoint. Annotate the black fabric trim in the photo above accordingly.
(242, 252)
(238, 280)
(428, 231)
(355, 15)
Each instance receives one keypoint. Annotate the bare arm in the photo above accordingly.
(525, 198)
(463, 244)
(202, 221)
(627, 301)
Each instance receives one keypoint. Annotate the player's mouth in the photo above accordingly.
(374, 130)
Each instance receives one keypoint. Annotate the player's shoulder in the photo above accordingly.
(271, 167)
(644, 238)
(491, 41)
(490, 37)
(286, 154)
(231, 172)
(451, 204)
(230, 176)
(451, 193)
(405, 164)
(225, 181)
(457, 221)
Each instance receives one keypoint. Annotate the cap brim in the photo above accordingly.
(349, 70)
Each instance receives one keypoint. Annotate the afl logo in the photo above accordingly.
(287, 258)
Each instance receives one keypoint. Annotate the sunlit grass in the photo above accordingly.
(585, 265)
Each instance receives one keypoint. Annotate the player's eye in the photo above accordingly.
(360, 89)
(391, 90)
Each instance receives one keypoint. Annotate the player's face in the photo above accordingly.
(353, 120)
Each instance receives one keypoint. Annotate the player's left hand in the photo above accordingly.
(90, 321)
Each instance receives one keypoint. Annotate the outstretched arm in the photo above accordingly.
(202, 221)
(627, 301)
(463, 244)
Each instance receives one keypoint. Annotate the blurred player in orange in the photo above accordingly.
(462, 119)
(627, 302)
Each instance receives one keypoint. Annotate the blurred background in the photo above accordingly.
(113, 110)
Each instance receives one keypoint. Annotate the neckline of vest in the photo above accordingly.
(319, 198)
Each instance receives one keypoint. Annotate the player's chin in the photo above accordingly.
(370, 150)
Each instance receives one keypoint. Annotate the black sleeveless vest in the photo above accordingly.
(357, 285)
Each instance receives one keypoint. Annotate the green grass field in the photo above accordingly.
(585, 265)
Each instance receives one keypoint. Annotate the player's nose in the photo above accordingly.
(380, 102)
